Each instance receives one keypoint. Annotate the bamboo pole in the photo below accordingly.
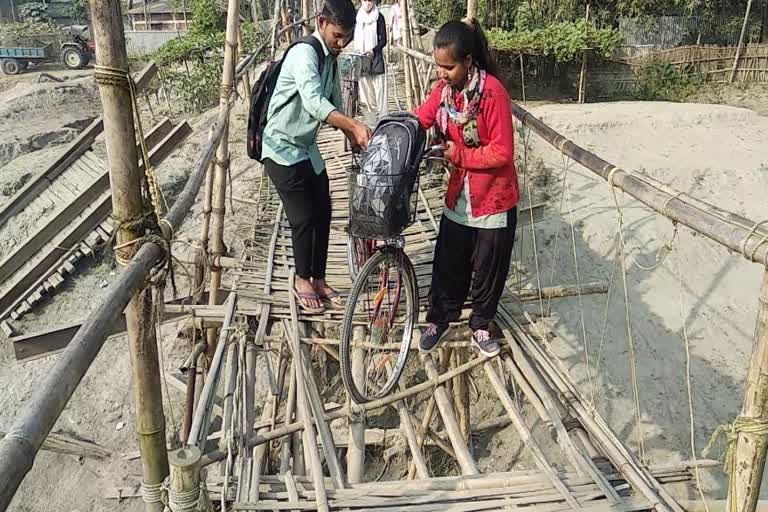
(127, 205)
(290, 407)
(305, 8)
(222, 158)
(461, 397)
(471, 9)
(230, 380)
(466, 463)
(741, 42)
(258, 457)
(583, 73)
(357, 425)
(752, 439)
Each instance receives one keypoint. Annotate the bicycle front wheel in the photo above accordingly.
(377, 327)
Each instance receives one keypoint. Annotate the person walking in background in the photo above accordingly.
(307, 93)
(370, 39)
(472, 111)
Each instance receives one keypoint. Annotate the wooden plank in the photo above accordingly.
(73, 233)
(78, 203)
(76, 148)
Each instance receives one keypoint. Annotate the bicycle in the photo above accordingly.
(383, 306)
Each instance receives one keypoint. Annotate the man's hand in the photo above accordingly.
(359, 135)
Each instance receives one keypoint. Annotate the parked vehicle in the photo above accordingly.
(75, 52)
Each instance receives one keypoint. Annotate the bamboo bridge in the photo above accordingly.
(300, 445)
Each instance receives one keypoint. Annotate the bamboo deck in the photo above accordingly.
(307, 471)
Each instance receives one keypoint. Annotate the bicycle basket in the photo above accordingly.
(383, 190)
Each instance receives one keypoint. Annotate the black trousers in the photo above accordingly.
(470, 261)
(307, 203)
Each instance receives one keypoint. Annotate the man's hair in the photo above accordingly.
(339, 12)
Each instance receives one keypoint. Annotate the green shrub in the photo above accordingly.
(659, 80)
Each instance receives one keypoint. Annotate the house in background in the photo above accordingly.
(159, 16)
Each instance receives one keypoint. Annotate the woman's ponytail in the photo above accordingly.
(467, 38)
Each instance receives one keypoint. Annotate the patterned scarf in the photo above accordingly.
(467, 117)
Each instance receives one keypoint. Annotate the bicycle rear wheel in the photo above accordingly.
(384, 303)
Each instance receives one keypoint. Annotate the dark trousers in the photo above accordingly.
(470, 261)
(307, 203)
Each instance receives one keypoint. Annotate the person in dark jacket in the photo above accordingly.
(370, 39)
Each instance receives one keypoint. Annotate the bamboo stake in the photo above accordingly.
(185, 475)
(357, 425)
(127, 206)
(410, 435)
(222, 158)
(751, 444)
(525, 435)
(452, 428)
(741, 42)
(461, 398)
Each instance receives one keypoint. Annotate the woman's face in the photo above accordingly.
(367, 5)
(450, 69)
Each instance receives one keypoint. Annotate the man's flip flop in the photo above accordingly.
(333, 299)
(307, 296)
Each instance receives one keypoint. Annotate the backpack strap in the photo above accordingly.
(318, 47)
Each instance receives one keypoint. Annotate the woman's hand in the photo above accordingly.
(450, 151)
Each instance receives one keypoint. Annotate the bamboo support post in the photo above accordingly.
(305, 9)
(752, 441)
(184, 489)
(410, 436)
(741, 43)
(222, 158)
(464, 458)
(357, 425)
(525, 435)
(127, 204)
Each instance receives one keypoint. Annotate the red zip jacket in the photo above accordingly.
(491, 166)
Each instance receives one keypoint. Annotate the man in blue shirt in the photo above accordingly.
(303, 99)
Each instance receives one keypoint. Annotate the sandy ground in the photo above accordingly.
(715, 153)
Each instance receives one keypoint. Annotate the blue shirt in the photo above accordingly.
(289, 137)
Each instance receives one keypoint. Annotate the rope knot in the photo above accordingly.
(724, 438)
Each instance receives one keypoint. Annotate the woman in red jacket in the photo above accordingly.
(470, 109)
